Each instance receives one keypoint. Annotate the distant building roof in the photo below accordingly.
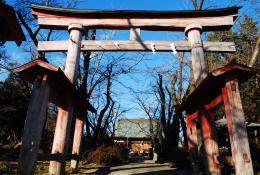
(133, 128)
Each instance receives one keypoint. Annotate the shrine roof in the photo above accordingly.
(10, 28)
(61, 88)
(134, 128)
(211, 87)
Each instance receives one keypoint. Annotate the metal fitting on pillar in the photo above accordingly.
(192, 27)
(77, 27)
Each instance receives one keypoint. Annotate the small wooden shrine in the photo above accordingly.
(220, 86)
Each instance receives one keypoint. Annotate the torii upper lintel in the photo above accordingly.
(61, 18)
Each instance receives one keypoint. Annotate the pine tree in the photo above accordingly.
(245, 39)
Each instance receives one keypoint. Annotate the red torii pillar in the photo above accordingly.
(77, 139)
(64, 117)
(237, 128)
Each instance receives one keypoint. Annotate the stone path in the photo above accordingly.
(141, 168)
(145, 168)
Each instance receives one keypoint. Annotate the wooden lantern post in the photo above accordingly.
(34, 124)
(237, 128)
(208, 130)
(64, 117)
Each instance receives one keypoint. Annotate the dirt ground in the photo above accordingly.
(139, 168)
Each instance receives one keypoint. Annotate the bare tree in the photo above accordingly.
(168, 91)
(198, 5)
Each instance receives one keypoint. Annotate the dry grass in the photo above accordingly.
(42, 167)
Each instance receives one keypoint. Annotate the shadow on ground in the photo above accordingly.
(141, 168)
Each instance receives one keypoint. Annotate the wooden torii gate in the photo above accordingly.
(77, 21)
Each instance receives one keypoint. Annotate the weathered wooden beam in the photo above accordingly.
(121, 45)
(210, 142)
(197, 52)
(215, 19)
(77, 142)
(237, 128)
(60, 141)
(192, 138)
(214, 103)
(34, 124)
(178, 24)
(64, 117)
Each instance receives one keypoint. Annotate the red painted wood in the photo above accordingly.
(65, 116)
(192, 134)
(61, 137)
(209, 139)
(237, 128)
(77, 142)
(192, 138)
(215, 102)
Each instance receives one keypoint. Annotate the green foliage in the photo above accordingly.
(14, 97)
(245, 39)
(48, 133)
(14, 101)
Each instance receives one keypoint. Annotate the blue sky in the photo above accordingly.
(138, 81)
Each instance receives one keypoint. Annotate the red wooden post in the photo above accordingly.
(77, 142)
(192, 138)
(33, 127)
(64, 117)
(237, 128)
(210, 144)
(61, 139)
